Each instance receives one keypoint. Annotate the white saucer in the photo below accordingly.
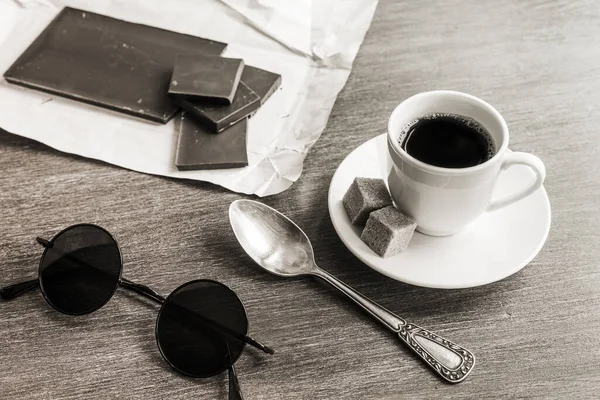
(495, 246)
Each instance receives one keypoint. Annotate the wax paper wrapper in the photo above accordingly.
(311, 44)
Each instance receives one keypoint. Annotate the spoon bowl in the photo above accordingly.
(271, 239)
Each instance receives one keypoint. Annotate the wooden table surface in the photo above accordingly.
(535, 334)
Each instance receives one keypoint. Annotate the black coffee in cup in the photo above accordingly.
(447, 140)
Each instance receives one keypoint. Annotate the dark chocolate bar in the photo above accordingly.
(107, 62)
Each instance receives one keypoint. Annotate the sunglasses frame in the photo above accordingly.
(15, 290)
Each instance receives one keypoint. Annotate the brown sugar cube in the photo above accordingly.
(388, 231)
(364, 196)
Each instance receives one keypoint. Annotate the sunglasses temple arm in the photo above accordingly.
(257, 344)
(13, 291)
(152, 295)
(223, 329)
(235, 392)
(142, 290)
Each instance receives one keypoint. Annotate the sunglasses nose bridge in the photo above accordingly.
(142, 290)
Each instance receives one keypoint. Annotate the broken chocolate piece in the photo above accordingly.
(200, 149)
(107, 62)
(263, 83)
(206, 78)
(217, 117)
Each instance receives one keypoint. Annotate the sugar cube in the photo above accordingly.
(388, 231)
(364, 196)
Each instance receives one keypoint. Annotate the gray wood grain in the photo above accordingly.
(535, 334)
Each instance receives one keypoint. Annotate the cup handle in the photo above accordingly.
(518, 158)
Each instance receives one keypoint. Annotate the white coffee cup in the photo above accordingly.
(443, 201)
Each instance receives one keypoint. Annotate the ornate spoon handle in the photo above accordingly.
(451, 361)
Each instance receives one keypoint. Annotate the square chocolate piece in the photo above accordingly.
(200, 149)
(218, 117)
(263, 83)
(206, 78)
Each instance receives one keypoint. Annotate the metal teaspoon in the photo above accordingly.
(278, 245)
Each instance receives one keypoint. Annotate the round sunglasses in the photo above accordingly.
(201, 328)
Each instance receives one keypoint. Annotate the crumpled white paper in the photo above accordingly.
(312, 44)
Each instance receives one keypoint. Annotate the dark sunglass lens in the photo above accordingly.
(190, 329)
(81, 271)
